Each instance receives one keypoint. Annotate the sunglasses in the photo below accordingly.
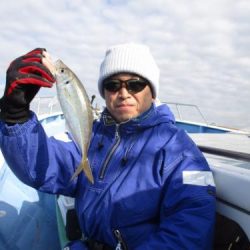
(133, 86)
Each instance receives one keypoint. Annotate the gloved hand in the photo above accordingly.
(25, 76)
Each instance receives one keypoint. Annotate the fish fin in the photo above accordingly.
(84, 166)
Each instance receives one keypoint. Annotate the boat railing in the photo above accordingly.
(191, 111)
(184, 113)
(49, 104)
(45, 105)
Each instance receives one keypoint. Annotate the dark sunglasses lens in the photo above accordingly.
(136, 86)
(132, 86)
(112, 85)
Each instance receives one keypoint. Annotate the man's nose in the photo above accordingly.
(123, 92)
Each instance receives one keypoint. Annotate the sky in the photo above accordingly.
(201, 47)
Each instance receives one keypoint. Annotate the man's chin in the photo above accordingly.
(125, 117)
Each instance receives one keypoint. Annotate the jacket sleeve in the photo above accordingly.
(187, 213)
(46, 164)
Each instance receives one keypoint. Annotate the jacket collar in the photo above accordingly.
(153, 116)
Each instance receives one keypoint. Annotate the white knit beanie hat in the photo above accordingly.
(130, 58)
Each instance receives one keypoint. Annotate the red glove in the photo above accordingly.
(25, 76)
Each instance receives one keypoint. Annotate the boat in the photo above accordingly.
(33, 220)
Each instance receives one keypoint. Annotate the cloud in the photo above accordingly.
(202, 47)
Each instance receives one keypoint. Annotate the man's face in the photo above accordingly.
(123, 104)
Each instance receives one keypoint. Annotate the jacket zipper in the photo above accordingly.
(121, 245)
(117, 142)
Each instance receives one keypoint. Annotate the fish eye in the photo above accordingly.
(62, 70)
(67, 82)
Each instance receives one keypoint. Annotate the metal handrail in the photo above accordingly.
(40, 106)
(51, 105)
(178, 105)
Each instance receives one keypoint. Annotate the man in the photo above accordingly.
(153, 188)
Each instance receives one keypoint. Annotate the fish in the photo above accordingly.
(77, 110)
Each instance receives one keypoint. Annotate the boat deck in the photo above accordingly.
(228, 141)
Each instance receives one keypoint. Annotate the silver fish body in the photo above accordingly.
(77, 110)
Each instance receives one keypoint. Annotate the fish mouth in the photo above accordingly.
(58, 63)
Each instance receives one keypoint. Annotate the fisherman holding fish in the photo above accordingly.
(145, 184)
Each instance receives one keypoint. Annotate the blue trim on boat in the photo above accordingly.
(199, 128)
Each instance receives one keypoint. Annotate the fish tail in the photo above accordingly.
(87, 171)
(84, 166)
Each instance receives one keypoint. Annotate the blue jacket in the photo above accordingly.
(152, 183)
